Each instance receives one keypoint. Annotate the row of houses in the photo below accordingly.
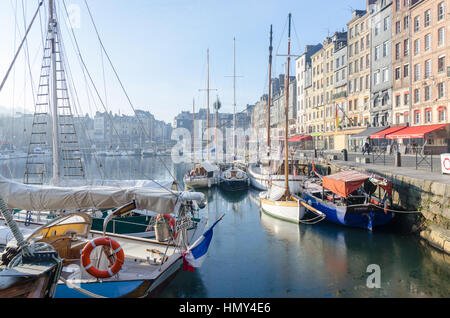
(388, 67)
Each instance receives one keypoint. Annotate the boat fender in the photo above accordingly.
(117, 251)
(171, 221)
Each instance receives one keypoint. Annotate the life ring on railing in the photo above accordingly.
(171, 221)
(117, 251)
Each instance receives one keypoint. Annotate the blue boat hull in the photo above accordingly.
(366, 217)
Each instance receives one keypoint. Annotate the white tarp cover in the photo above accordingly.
(50, 198)
(209, 166)
(116, 183)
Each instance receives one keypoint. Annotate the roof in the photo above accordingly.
(368, 132)
(415, 131)
(382, 134)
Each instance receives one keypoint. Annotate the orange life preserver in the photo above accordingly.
(171, 220)
(102, 241)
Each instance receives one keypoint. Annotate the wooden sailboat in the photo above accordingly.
(204, 174)
(278, 201)
(234, 178)
(262, 173)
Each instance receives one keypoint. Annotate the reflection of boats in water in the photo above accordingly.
(287, 231)
(233, 196)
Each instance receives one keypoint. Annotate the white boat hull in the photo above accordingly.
(289, 211)
(197, 183)
(261, 181)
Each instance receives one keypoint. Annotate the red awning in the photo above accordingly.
(299, 138)
(415, 131)
(382, 134)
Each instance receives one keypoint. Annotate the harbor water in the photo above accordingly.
(255, 255)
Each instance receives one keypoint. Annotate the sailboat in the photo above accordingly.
(204, 174)
(278, 201)
(262, 173)
(233, 178)
(135, 266)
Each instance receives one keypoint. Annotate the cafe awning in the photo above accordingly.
(368, 132)
(382, 134)
(299, 138)
(415, 131)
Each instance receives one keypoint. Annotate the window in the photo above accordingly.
(386, 23)
(377, 53)
(427, 116)
(397, 100)
(397, 5)
(397, 51)
(417, 47)
(362, 44)
(377, 28)
(406, 70)
(376, 78)
(417, 72)
(441, 63)
(442, 114)
(406, 23)
(397, 73)
(427, 18)
(416, 24)
(417, 117)
(367, 61)
(367, 40)
(361, 62)
(441, 90)
(406, 99)
(367, 81)
(416, 95)
(385, 48)
(427, 69)
(441, 36)
(385, 75)
(441, 11)
(427, 42)
(427, 90)
(398, 27)
(406, 47)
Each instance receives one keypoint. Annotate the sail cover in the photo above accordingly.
(54, 198)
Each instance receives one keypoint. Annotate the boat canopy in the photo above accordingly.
(209, 167)
(368, 132)
(299, 138)
(345, 182)
(382, 134)
(53, 198)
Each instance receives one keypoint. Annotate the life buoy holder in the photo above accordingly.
(117, 251)
(171, 221)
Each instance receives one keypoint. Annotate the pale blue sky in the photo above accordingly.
(159, 48)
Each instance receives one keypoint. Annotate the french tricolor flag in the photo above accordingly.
(196, 253)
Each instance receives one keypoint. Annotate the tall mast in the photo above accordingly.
(270, 93)
(207, 105)
(54, 96)
(286, 112)
(234, 97)
(193, 130)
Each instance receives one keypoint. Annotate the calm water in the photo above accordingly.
(255, 255)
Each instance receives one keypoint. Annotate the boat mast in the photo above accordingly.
(193, 131)
(234, 98)
(270, 93)
(286, 112)
(54, 96)
(207, 104)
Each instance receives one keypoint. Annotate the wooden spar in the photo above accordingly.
(286, 113)
(234, 98)
(270, 93)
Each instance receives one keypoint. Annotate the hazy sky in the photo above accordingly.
(158, 47)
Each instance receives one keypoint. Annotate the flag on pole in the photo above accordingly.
(196, 253)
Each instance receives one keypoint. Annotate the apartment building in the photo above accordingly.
(429, 65)
(381, 62)
(359, 77)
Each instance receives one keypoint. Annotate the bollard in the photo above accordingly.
(345, 154)
(397, 159)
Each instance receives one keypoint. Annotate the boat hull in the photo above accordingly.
(200, 183)
(366, 217)
(233, 185)
(289, 211)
